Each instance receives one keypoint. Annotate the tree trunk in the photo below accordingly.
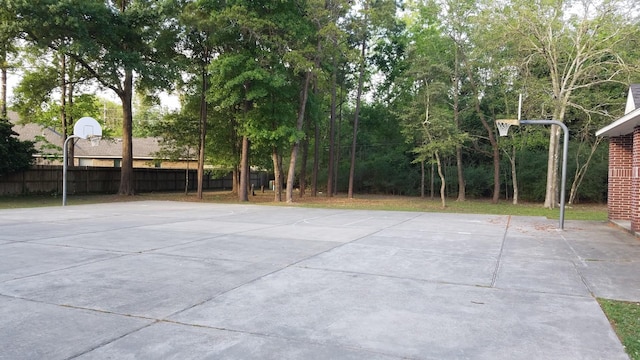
(248, 173)
(432, 189)
(352, 169)
(316, 161)
(462, 191)
(234, 180)
(186, 176)
(243, 194)
(514, 176)
(300, 123)
(550, 198)
(303, 165)
(277, 172)
(127, 184)
(581, 171)
(492, 139)
(203, 131)
(316, 152)
(338, 142)
(332, 130)
(496, 174)
(235, 149)
(422, 179)
(3, 81)
(442, 181)
(294, 150)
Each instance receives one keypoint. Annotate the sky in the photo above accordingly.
(170, 101)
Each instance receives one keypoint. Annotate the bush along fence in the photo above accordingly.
(87, 180)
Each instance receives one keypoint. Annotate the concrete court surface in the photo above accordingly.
(170, 280)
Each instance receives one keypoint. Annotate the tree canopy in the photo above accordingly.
(16, 155)
(366, 95)
(113, 41)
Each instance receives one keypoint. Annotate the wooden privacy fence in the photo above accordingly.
(85, 180)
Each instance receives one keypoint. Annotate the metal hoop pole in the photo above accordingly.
(64, 168)
(564, 160)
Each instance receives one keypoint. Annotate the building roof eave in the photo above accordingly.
(623, 126)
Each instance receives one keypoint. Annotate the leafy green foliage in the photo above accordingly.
(383, 163)
(479, 179)
(16, 155)
(110, 41)
(178, 140)
(425, 70)
(147, 114)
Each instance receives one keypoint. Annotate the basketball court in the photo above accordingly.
(163, 280)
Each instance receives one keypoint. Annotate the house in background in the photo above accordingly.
(108, 153)
(624, 164)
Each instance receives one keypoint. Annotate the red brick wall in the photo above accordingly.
(620, 173)
(635, 182)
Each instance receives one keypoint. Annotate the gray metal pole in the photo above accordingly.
(64, 168)
(565, 152)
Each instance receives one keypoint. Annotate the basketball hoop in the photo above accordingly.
(504, 124)
(85, 128)
(95, 140)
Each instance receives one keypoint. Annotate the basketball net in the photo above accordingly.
(504, 124)
(95, 140)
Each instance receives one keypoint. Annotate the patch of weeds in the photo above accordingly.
(625, 318)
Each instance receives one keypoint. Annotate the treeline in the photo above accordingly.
(375, 96)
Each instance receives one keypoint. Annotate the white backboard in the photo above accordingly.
(87, 127)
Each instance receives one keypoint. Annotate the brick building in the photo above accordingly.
(624, 164)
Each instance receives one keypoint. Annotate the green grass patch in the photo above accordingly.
(625, 319)
(44, 200)
(596, 212)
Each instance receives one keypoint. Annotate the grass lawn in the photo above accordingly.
(625, 318)
(596, 212)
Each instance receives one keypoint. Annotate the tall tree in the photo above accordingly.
(306, 45)
(304, 94)
(458, 22)
(196, 41)
(115, 41)
(375, 18)
(259, 56)
(179, 138)
(431, 119)
(476, 93)
(593, 108)
(424, 85)
(578, 46)
(46, 94)
(354, 140)
(334, 50)
(8, 35)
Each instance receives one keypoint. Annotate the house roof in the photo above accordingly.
(143, 148)
(630, 120)
(634, 91)
(622, 126)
